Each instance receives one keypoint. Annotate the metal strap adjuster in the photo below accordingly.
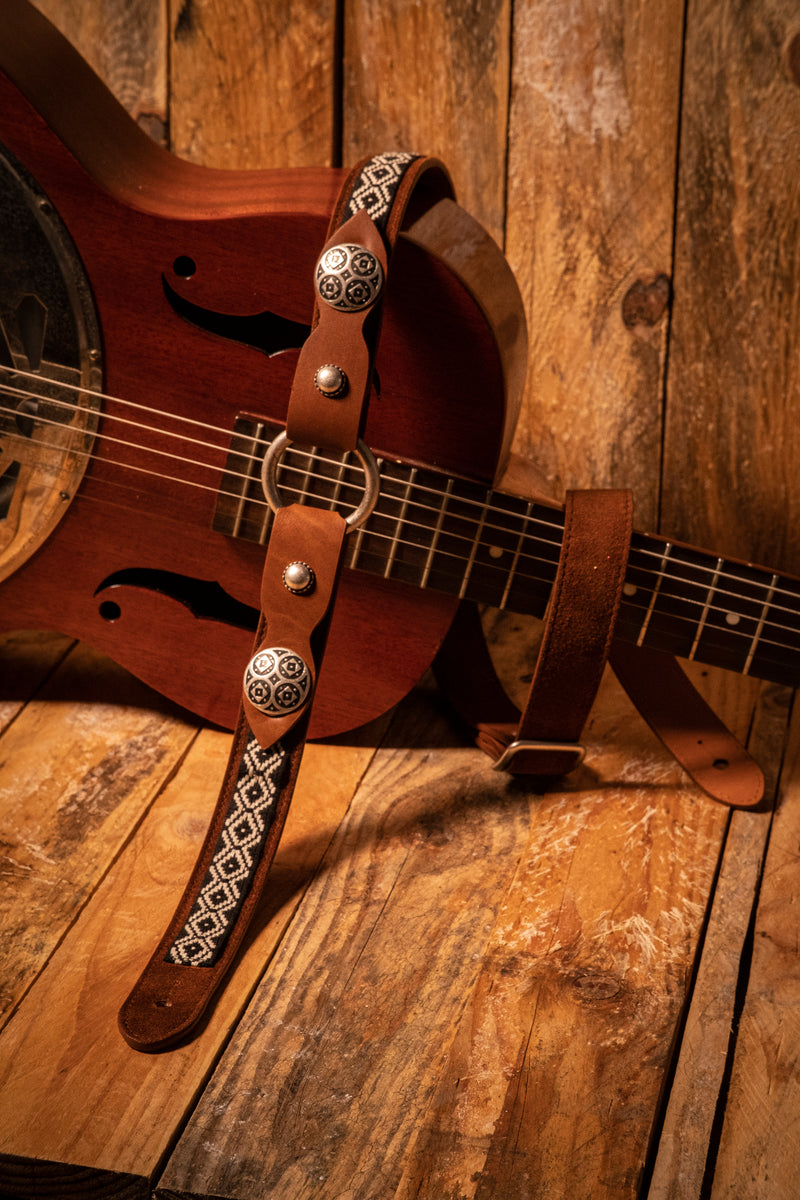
(573, 753)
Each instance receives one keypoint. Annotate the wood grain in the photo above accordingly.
(697, 1090)
(80, 765)
(125, 42)
(734, 380)
(27, 658)
(591, 170)
(481, 991)
(392, 53)
(254, 91)
(427, 1029)
(758, 1154)
(132, 1104)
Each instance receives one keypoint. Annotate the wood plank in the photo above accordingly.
(27, 659)
(758, 1154)
(392, 53)
(479, 993)
(592, 151)
(734, 379)
(125, 42)
(698, 1087)
(257, 89)
(78, 769)
(71, 1091)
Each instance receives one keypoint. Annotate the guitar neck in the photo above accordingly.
(435, 531)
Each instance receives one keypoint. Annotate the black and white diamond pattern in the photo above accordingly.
(236, 855)
(375, 187)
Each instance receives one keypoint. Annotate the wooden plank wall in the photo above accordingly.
(485, 991)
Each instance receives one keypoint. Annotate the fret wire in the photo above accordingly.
(514, 562)
(362, 530)
(246, 482)
(654, 596)
(398, 524)
(706, 609)
(760, 628)
(432, 549)
(474, 549)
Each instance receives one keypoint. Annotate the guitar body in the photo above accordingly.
(197, 290)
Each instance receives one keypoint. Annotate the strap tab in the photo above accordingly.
(694, 734)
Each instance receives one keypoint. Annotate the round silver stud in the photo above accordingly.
(298, 577)
(331, 381)
(348, 277)
(277, 681)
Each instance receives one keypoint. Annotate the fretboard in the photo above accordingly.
(436, 531)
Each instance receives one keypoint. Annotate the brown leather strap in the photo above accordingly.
(561, 695)
(231, 871)
(205, 932)
(574, 649)
(694, 734)
(378, 197)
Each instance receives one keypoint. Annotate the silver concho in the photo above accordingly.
(277, 681)
(348, 277)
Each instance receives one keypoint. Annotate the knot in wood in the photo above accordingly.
(645, 303)
(596, 986)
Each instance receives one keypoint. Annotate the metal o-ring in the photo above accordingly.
(359, 515)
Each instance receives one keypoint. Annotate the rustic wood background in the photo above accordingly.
(471, 990)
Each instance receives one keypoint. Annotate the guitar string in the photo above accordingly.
(715, 608)
(732, 633)
(438, 494)
(407, 522)
(485, 506)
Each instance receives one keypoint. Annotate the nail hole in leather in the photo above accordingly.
(721, 764)
(162, 1003)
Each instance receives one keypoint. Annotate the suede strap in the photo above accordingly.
(573, 653)
(576, 643)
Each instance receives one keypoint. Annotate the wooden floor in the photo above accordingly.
(458, 988)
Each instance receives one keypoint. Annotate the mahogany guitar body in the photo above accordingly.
(200, 283)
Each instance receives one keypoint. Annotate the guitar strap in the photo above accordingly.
(577, 642)
(327, 408)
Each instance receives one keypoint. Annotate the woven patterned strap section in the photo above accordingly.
(227, 881)
(375, 187)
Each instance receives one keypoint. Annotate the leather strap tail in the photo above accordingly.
(690, 730)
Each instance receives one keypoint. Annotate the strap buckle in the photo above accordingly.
(572, 753)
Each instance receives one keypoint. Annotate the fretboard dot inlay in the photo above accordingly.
(732, 618)
(629, 589)
(495, 551)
